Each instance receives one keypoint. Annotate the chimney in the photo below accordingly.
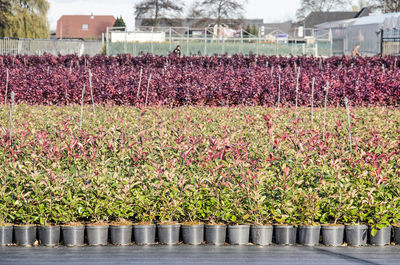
(92, 16)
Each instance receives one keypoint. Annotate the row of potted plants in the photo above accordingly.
(233, 166)
(124, 233)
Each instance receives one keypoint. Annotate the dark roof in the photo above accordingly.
(363, 12)
(284, 27)
(316, 18)
(196, 22)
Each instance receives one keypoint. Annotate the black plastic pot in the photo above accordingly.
(73, 236)
(121, 234)
(25, 235)
(193, 234)
(49, 236)
(6, 235)
(97, 235)
(356, 235)
(261, 234)
(144, 234)
(382, 237)
(215, 234)
(396, 230)
(238, 234)
(168, 234)
(309, 235)
(332, 235)
(285, 234)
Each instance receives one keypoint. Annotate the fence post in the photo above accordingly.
(107, 36)
(187, 41)
(152, 39)
(170, 39)
(205, 41)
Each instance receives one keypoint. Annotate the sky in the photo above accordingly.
(269, 10)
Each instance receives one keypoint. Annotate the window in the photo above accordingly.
(85, 27)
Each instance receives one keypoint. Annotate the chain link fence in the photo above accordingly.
(206, 42)
(55, 47)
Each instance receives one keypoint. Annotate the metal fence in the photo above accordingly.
(390, 42)
(55, 47)
(205, 42)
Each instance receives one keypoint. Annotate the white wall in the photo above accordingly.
(137, 36)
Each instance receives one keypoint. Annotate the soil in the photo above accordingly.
(332, 225)
(25, 225)
(143, 223)
(169, 223)
(216, 224)
(192, 223)
(73, 224)
(98, 224)
(121, 223)
(5, 225)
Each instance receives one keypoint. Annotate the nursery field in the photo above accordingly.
(218, 147)
(235, 165)
(200, 81)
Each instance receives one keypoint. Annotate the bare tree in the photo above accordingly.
(219, 9)
(308, 6)
(156, 9)
(387, 6)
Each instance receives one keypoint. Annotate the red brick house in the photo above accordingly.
(83, 27)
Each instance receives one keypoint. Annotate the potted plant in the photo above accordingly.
(284, 212)
(121, 209)
(193, 228)
(145, 211)
(6, 228)
(72, 229)
(49, 210)
(261, 230)
(332, 212)
(215, 211)
(380, 218)
(355, 215)
(97, 211)
(170, 203)
(25, 217)
(237, 203)
(308, 211)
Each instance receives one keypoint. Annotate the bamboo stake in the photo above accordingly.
(147, 92)
(91, 92)
(297, 87)
(346, 102)
(312, 101)
(279, 91)
(5, 97)
(326, 103)
(83, 93)
(11, 114)
(140, 82)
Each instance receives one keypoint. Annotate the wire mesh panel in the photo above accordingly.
(55, 47)
(197, 41)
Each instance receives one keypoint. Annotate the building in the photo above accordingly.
(83, 26)
(364, 31)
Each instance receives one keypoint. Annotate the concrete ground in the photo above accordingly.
(204, 254)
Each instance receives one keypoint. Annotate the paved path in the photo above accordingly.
(184, 254)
